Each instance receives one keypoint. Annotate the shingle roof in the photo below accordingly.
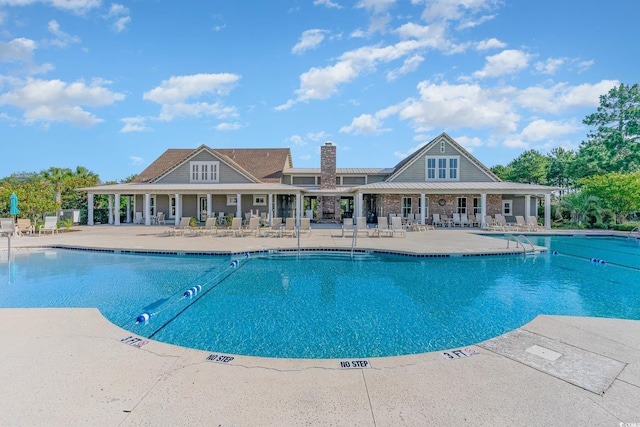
(339, 171)
(265, 164)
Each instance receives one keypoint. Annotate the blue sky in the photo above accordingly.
(111, 86)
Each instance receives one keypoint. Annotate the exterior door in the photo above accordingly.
(202, 212)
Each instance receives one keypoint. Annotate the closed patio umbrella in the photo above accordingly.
(13, 204)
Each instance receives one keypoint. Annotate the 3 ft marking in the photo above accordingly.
(459, 353)
(354, 364)
(220, 358)
(134, 341)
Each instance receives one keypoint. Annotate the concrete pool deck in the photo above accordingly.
(73, 367)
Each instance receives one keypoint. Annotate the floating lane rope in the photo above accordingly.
(189, 293)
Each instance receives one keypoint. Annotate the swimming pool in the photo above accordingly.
(330, 305)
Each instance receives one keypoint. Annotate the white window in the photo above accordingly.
(461, 205)
(477, 206)
(172, 206)
(204, 171)
(443, 168)
(406, 206)
(507, 207)
(431, 168)
(259, 200)
(232, 200)
(442, 146)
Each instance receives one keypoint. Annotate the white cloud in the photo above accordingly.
(135, 160)
(365, 124)
(310, 39)
(410, 64)
(466, 105)
(469, 143)
(56, 101)
(506, 62)
(327, 3)
(585, 65)
(455, 9)
(228, 126)
(75, 6)
(376, 6)
(297, 140)
(550, 66)
(562, 96)
(120, 16)
(539, 130)
(63, 39)
(409, 151)
(491, 43)
(318, 136)
(134, 124)
(19, 49)
(179, 88)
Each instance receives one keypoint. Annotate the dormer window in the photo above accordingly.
(204, 172)
(442, 168)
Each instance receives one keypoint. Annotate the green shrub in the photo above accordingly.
(627, 226)
(600, 225)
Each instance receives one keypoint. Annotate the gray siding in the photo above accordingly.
(416, 172)
(180, 175)
(375, 178)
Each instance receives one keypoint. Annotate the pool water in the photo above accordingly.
(331, 305)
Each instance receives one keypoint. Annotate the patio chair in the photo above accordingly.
(289, 227)
(473, 222)
(24, 226)
(436, 221)
(236, 227)
(254, 226)
(210, 226)
(521, 224)
(305, 226)
(137, 218)
(464, 220)
(396, 226)
(8, 226)
(488, 222)
(182, 228)
(361, 226)
(534, 224)
(382, 229)
(347, 226)
(457, 221)
(160, 218)
(274, 230)
(50, 224)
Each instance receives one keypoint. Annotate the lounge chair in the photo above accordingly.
(464, 220)
(24, 226)
(488, 222)
(347, 226)
(275, 229)
(137, 218)
(396, 226)
(534, 224)
(456, 220)
(160, 218)
(182, 228)
(436, 221)
(210, 226)
(305, 225)
(50, 224)
(254, 226)
(361, 225)
(473, 222)
(382, 228)
(521, 224)
(8, 226)
(289, 227)
(236, 227)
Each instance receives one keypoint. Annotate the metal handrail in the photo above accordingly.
(634, 230)
(520, 241)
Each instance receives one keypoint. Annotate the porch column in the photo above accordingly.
(147, 209)
(298, 208)
(116, 217)
(360, 203)
(239, 207)
(89, 208)
(128, 209)
(270, 207)
(208, 205)
(110, 221)
(483, 210)
(423, 209)
(547, 211)
(527, 207)
(178, 215)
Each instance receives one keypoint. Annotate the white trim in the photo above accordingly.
(504, 210)
(258, 202)
(441, 169)
(232, 200)
(204, 171)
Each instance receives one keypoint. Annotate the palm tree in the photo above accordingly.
(57, 177)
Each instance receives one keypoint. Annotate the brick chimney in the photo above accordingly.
(328, 166)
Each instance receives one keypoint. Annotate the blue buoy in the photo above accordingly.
(188, 294)
(246, 254)
(603, 262)
(555, 252)
(143, 318)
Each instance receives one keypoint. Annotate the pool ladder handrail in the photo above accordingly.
(520, 241)
(635, 230)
